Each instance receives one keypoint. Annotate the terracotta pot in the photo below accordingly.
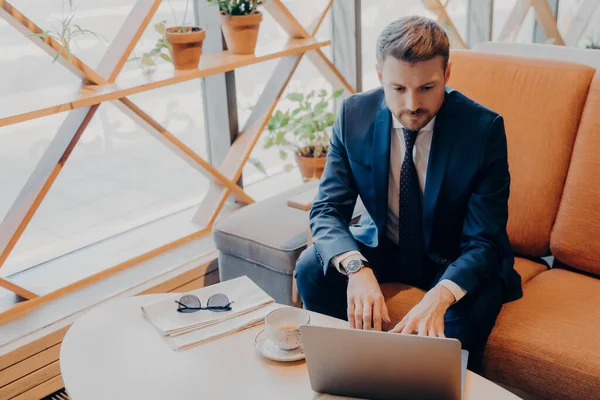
(187, 46)
(241, 32)
(311, 167)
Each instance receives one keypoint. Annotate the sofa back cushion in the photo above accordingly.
(575, 237)
(541, 102)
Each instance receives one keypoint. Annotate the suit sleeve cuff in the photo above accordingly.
(343, 259)
(456, 290)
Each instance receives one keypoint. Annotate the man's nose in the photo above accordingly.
(412, 102)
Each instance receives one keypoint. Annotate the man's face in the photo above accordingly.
(414, 92)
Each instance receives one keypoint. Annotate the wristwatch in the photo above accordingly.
(356, 265)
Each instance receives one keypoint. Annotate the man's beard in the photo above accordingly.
(414, 125)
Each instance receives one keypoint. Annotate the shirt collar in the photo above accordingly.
(398, 125)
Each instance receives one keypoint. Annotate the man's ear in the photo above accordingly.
(378, 68)
(448, 69)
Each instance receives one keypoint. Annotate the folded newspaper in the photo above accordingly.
(248, 300)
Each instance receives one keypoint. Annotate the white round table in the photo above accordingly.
(112, 352)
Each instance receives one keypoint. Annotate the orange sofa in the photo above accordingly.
(545, 344)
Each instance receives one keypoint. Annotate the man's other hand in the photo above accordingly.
(366, 305)
(427, 317)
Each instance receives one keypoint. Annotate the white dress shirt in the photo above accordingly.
(421, 159)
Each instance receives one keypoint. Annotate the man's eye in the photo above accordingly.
(426, 88)
(399, 89)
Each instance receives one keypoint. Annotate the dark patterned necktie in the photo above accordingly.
(410, 236)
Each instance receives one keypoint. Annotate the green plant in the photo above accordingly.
(304, 129)
(237, 7)
(593, 45)
(148, 59)
(66, 31)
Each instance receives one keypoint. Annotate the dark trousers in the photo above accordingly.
(470, 320)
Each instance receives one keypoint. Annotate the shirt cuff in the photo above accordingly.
(344, 259)
(456, 290)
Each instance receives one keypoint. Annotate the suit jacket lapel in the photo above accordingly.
(381, 162)
(441, 148)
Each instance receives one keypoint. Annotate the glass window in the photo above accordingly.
(119, 176)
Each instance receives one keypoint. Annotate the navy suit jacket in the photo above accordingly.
(465, 204)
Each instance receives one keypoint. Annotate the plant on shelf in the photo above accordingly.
(304, 130)
(161, 49)
(65, 31)
(593, 45)
(183, 42)
(240, 22)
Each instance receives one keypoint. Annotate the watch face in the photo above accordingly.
(354, 265)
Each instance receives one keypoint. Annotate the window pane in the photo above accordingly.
(119, 176)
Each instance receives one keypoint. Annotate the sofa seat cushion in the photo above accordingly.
(547, 342)
(268, 232)
(401, 298)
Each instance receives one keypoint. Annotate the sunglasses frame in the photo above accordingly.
(182, 308)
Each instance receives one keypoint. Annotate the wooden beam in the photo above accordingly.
(330, 72)
(30, 305)
(24, 293)
(180, 149)
(316, 24)
(131, 31)
(32, 349)
(33, 363)
(514, 21)
(41, 391)
(547, 21)
(286, 19)
(30, 381)
(12, 112)
(42, 178)
(27, 27)
(580, 22)
(241, 149)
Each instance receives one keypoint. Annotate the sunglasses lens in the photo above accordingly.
(189, 303)
(218, 302)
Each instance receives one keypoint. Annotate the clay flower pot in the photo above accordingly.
(311, 167)
(187, 46)
(241, 32)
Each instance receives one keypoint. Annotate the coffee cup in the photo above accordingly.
(283, 326)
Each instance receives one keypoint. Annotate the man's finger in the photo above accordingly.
(367, 315)
(385, 314)
(422, 330)
(377, 315)
(440, 333)
(351, 313)
(398, 328)
(358, 315)
(410, 326)
(431, 332)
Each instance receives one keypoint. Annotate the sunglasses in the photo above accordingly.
(190, 303)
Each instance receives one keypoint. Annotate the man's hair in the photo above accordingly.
(413, 39)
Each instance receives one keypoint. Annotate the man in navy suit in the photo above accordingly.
(430, 166)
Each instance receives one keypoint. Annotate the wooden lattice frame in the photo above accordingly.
(546, 19)
(438, 8)
(102, 85)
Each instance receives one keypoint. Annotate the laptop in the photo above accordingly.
(382, 365)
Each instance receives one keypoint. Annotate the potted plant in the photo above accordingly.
(186, 43)
(304, 130)
(240, 21)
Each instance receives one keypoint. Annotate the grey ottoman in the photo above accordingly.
(263, 241)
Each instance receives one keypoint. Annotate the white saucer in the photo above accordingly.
(268, 349)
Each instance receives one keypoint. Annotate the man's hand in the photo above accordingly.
(366, 305)
(427, 317)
